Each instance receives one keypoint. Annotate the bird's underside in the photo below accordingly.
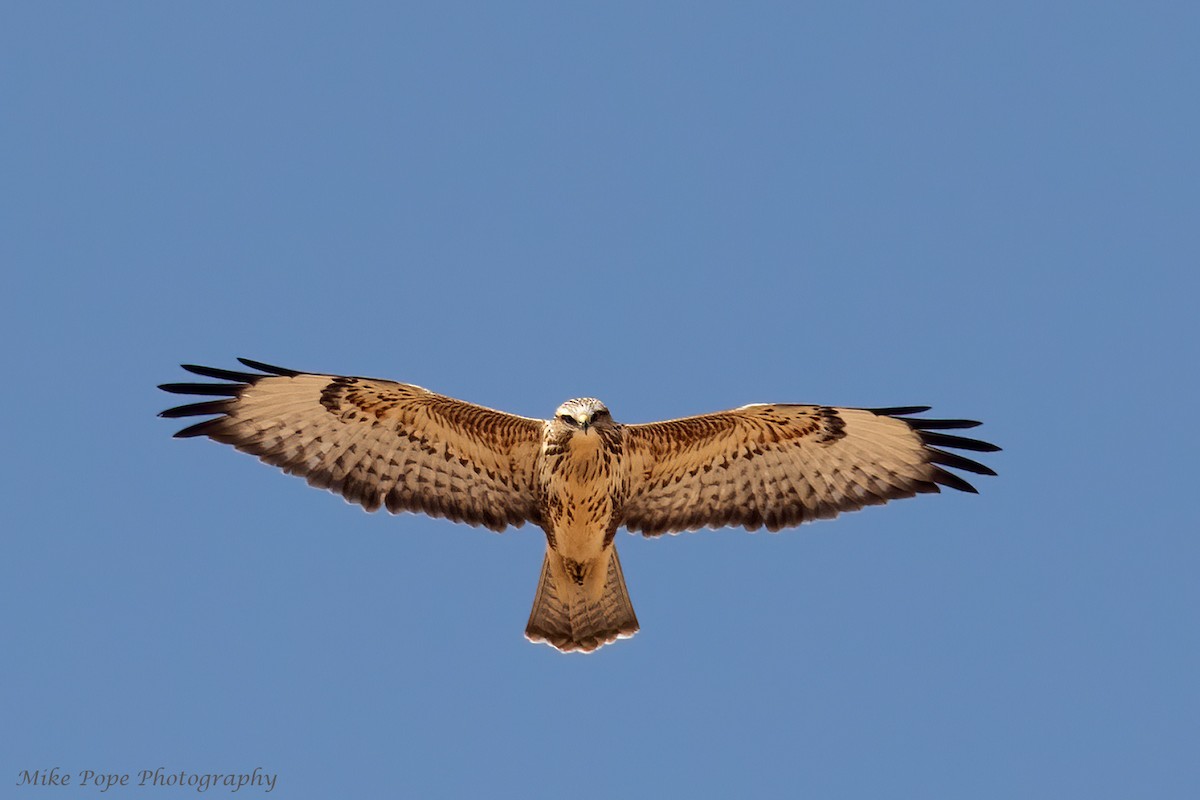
(579, 476)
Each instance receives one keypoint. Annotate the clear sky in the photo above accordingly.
(675, 207)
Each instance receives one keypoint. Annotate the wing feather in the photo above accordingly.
(781, 465)
(375, 442)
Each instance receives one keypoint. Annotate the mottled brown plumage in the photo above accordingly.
(579, 476)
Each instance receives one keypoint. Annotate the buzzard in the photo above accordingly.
(579, 476)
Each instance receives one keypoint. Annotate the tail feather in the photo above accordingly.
(564, 617)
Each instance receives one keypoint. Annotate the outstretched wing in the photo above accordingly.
(781, 465)
(374, 442)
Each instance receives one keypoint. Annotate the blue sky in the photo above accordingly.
(675, 207)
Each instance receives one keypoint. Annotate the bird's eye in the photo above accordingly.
(567, 418)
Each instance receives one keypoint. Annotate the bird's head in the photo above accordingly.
(582, 414)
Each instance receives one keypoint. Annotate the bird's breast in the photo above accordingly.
(584, 487)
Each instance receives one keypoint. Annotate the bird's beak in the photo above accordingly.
(584, 420)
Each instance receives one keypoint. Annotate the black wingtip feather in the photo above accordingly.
(199, 429)
(221, 374)
(957, 462)
(942, 424)
(899, 411)
(953, 481)
(960, 442)
(197, 409)
(220, 389)
(273, 370)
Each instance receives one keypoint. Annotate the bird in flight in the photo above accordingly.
(578, 476)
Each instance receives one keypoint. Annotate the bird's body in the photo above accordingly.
(580, 476)
(584, 478)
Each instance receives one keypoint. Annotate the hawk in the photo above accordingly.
(579, 476)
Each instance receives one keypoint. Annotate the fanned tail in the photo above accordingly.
(563, 616)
